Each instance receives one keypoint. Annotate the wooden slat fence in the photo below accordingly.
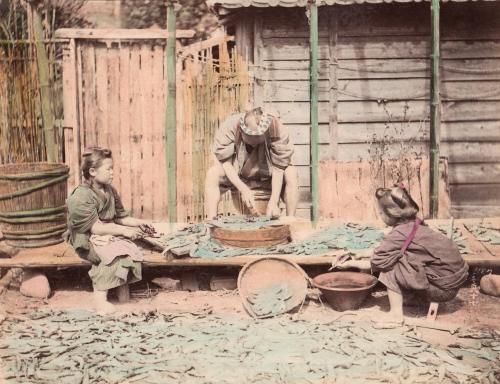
(114, 97)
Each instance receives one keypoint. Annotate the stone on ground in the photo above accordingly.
(490, 284)
(35, 284)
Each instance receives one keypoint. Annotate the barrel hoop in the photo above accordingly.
(33, 188)
(37, 175)
(35, 212)
(36, 231)
(35, 244)
(34, 237)
(26, 220)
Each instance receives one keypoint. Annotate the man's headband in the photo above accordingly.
(262, 127)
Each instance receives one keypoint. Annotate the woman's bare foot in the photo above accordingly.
(101, 303)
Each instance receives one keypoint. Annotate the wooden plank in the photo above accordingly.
(135, 131)
(302, 154)
(300, 133)
(124, 133)
(470, 211)
(450, 131)
(390, 68)
(470, 90)
(258, 51)
(113, 113)
(356, 111)
(474, 194)
(89, 128)
(146, 105)
(304, 175)
(375, 47)
(333, 86)
(474, 173)
(70, 106)
(159, 175)
(457, 152)
(372, 89)
(470, 69)
(81, 112)
(471, 152)
(119, 34)
(101, 107)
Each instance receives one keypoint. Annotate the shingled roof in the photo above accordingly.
(228, 5)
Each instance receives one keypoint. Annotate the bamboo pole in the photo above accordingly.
(435, 112)
(45, 94)
(313, 75)
(170, 117)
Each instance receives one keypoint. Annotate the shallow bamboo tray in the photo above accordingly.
(252, 238)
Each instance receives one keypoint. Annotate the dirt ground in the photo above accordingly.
(72, 290)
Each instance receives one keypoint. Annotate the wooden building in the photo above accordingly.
(374, 83)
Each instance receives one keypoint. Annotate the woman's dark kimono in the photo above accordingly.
(431, 264)
(86, 205)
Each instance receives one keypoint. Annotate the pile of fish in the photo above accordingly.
(68, 347)
(457, 237)
(484, 233)
(271, 301)
(195, 240)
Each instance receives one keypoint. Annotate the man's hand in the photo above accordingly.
(248, 197)
(273, 210)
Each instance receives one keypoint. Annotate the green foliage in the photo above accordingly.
(191, 14)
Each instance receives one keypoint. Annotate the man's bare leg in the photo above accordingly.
(291, 194)
(212, 190)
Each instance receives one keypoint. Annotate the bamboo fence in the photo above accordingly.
(214, 84)
(21, 127)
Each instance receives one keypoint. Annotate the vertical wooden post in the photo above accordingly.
(313, 76)
(435, 111)
(44, 81)
(170, 116)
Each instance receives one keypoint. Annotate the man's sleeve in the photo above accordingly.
(223, 146)
(281, 147)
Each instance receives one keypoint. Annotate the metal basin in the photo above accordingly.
(345, 290)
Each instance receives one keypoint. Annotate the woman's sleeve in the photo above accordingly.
(388, 253)
(281, 150)
(82, 210)
(120, 211)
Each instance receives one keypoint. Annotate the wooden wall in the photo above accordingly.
(375, 86)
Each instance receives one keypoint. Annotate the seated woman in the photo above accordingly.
(412, 257)
(100, 230)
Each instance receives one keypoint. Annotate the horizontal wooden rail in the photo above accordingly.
(120, 34)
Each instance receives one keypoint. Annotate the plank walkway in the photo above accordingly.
(62, 255)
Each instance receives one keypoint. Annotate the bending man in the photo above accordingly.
(252, 151)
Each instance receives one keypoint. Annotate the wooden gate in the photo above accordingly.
(114, 96)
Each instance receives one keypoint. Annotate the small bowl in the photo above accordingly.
(345, 290)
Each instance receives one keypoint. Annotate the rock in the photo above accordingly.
(7, 251)
(490, 285)
(167, 283)
(223, 283)
(35, 284)
(189, 282)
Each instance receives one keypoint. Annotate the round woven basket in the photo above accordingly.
(259, 274)
(32, 203)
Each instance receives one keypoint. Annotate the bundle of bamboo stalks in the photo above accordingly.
(215, 84)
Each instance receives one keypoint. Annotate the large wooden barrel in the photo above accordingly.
(33, 203)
